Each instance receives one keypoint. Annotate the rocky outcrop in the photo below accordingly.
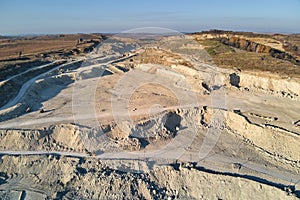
(271, 140)
(64, 137)
(59, 177)
(270, 83)
(251, 46)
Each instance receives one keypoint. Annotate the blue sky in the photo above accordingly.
(71, 16)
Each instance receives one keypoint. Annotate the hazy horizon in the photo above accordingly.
(40, 34)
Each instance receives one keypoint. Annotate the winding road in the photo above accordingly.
(282, 177)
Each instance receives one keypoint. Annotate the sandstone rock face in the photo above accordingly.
(206, 187)
(252, 46)
(245, 44)
(93, 179)
(57, 137)
(271, 83)
(271, 140)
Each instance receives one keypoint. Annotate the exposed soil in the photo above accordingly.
(155, 122)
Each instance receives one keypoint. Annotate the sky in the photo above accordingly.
(113, 16)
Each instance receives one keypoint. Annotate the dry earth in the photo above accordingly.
(164, 120)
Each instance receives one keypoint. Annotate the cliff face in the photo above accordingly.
(245, 44)
(248, 45)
